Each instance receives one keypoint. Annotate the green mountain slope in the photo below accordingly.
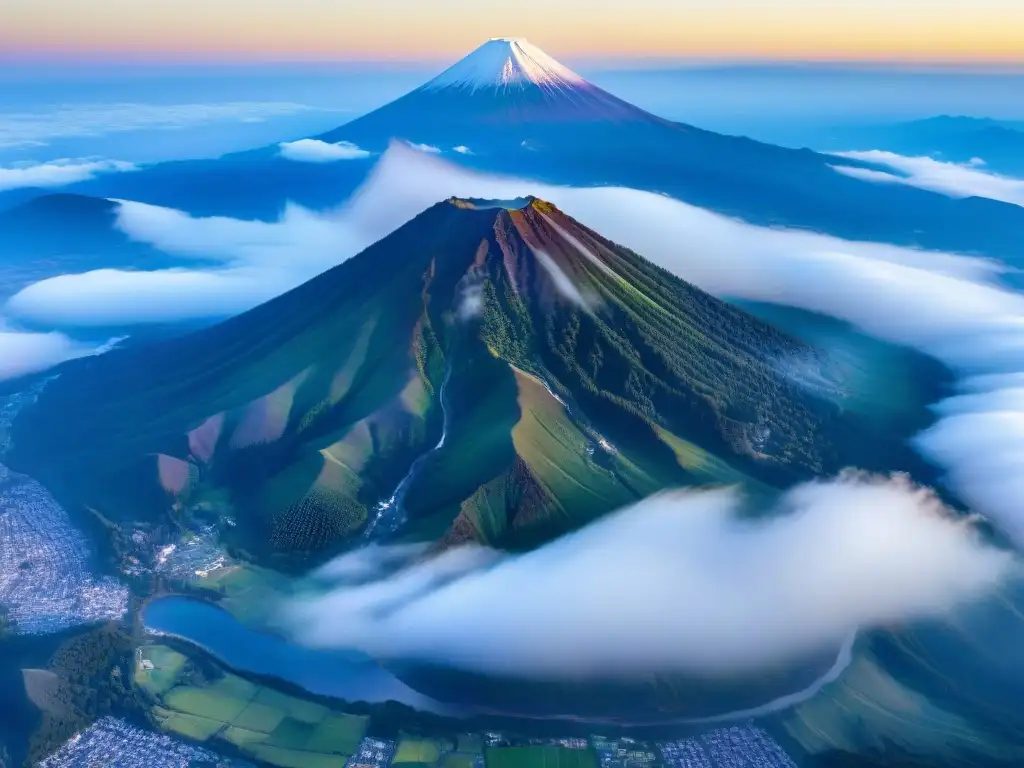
(489, 371)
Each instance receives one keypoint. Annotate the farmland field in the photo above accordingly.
(417, 751)
(263, 723)
(540, 757)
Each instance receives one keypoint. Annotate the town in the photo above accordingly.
(45, 581)
(46, 584)
(113, 743)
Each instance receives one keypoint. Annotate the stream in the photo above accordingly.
(390, 513)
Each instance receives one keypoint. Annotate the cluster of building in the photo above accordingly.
(570, 743)
(46, 584)
(45, 581)
(372, 753)
(687, 753)
(740, 746)
(195, 554)
(623, 753)
(113, 743)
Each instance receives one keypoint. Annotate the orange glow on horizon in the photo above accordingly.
(263, 31)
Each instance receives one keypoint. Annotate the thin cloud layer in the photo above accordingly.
(110, 297)
(255, 261)
(58, 173)
(950, 179)
(35, 129)
(428, 148)
(316, 151)
(721, 595)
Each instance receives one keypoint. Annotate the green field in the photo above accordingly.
(259, 717)
(295, 758)
(166, 666)
(297, 709)
(459, 760)
(540, 757)
(192, 726)
(205, 702)
(470, 743)
(242, 738)
(263, 723)
(338, 734)
(417, 751)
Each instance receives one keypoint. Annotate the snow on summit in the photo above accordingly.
(506, 62)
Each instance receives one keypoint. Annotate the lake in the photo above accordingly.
(349, 676)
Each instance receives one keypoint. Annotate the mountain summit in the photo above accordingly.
(507, 62)
(490, 371)
(506, 93)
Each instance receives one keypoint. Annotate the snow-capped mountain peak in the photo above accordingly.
(506, 62)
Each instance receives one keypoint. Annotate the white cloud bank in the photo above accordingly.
(24, 352)
(695, 588)
(316, 151)
(950, 179)
(258, 261)
(58, 173)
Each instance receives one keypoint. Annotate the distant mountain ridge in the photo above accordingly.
(59, 233)
(950, 138)
(491, 371)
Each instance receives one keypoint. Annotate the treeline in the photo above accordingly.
(669, 354)
(93, 680)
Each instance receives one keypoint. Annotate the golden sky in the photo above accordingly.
(910, 30)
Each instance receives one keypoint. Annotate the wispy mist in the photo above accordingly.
(315, 151)
(953, 179)
(58, 173)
